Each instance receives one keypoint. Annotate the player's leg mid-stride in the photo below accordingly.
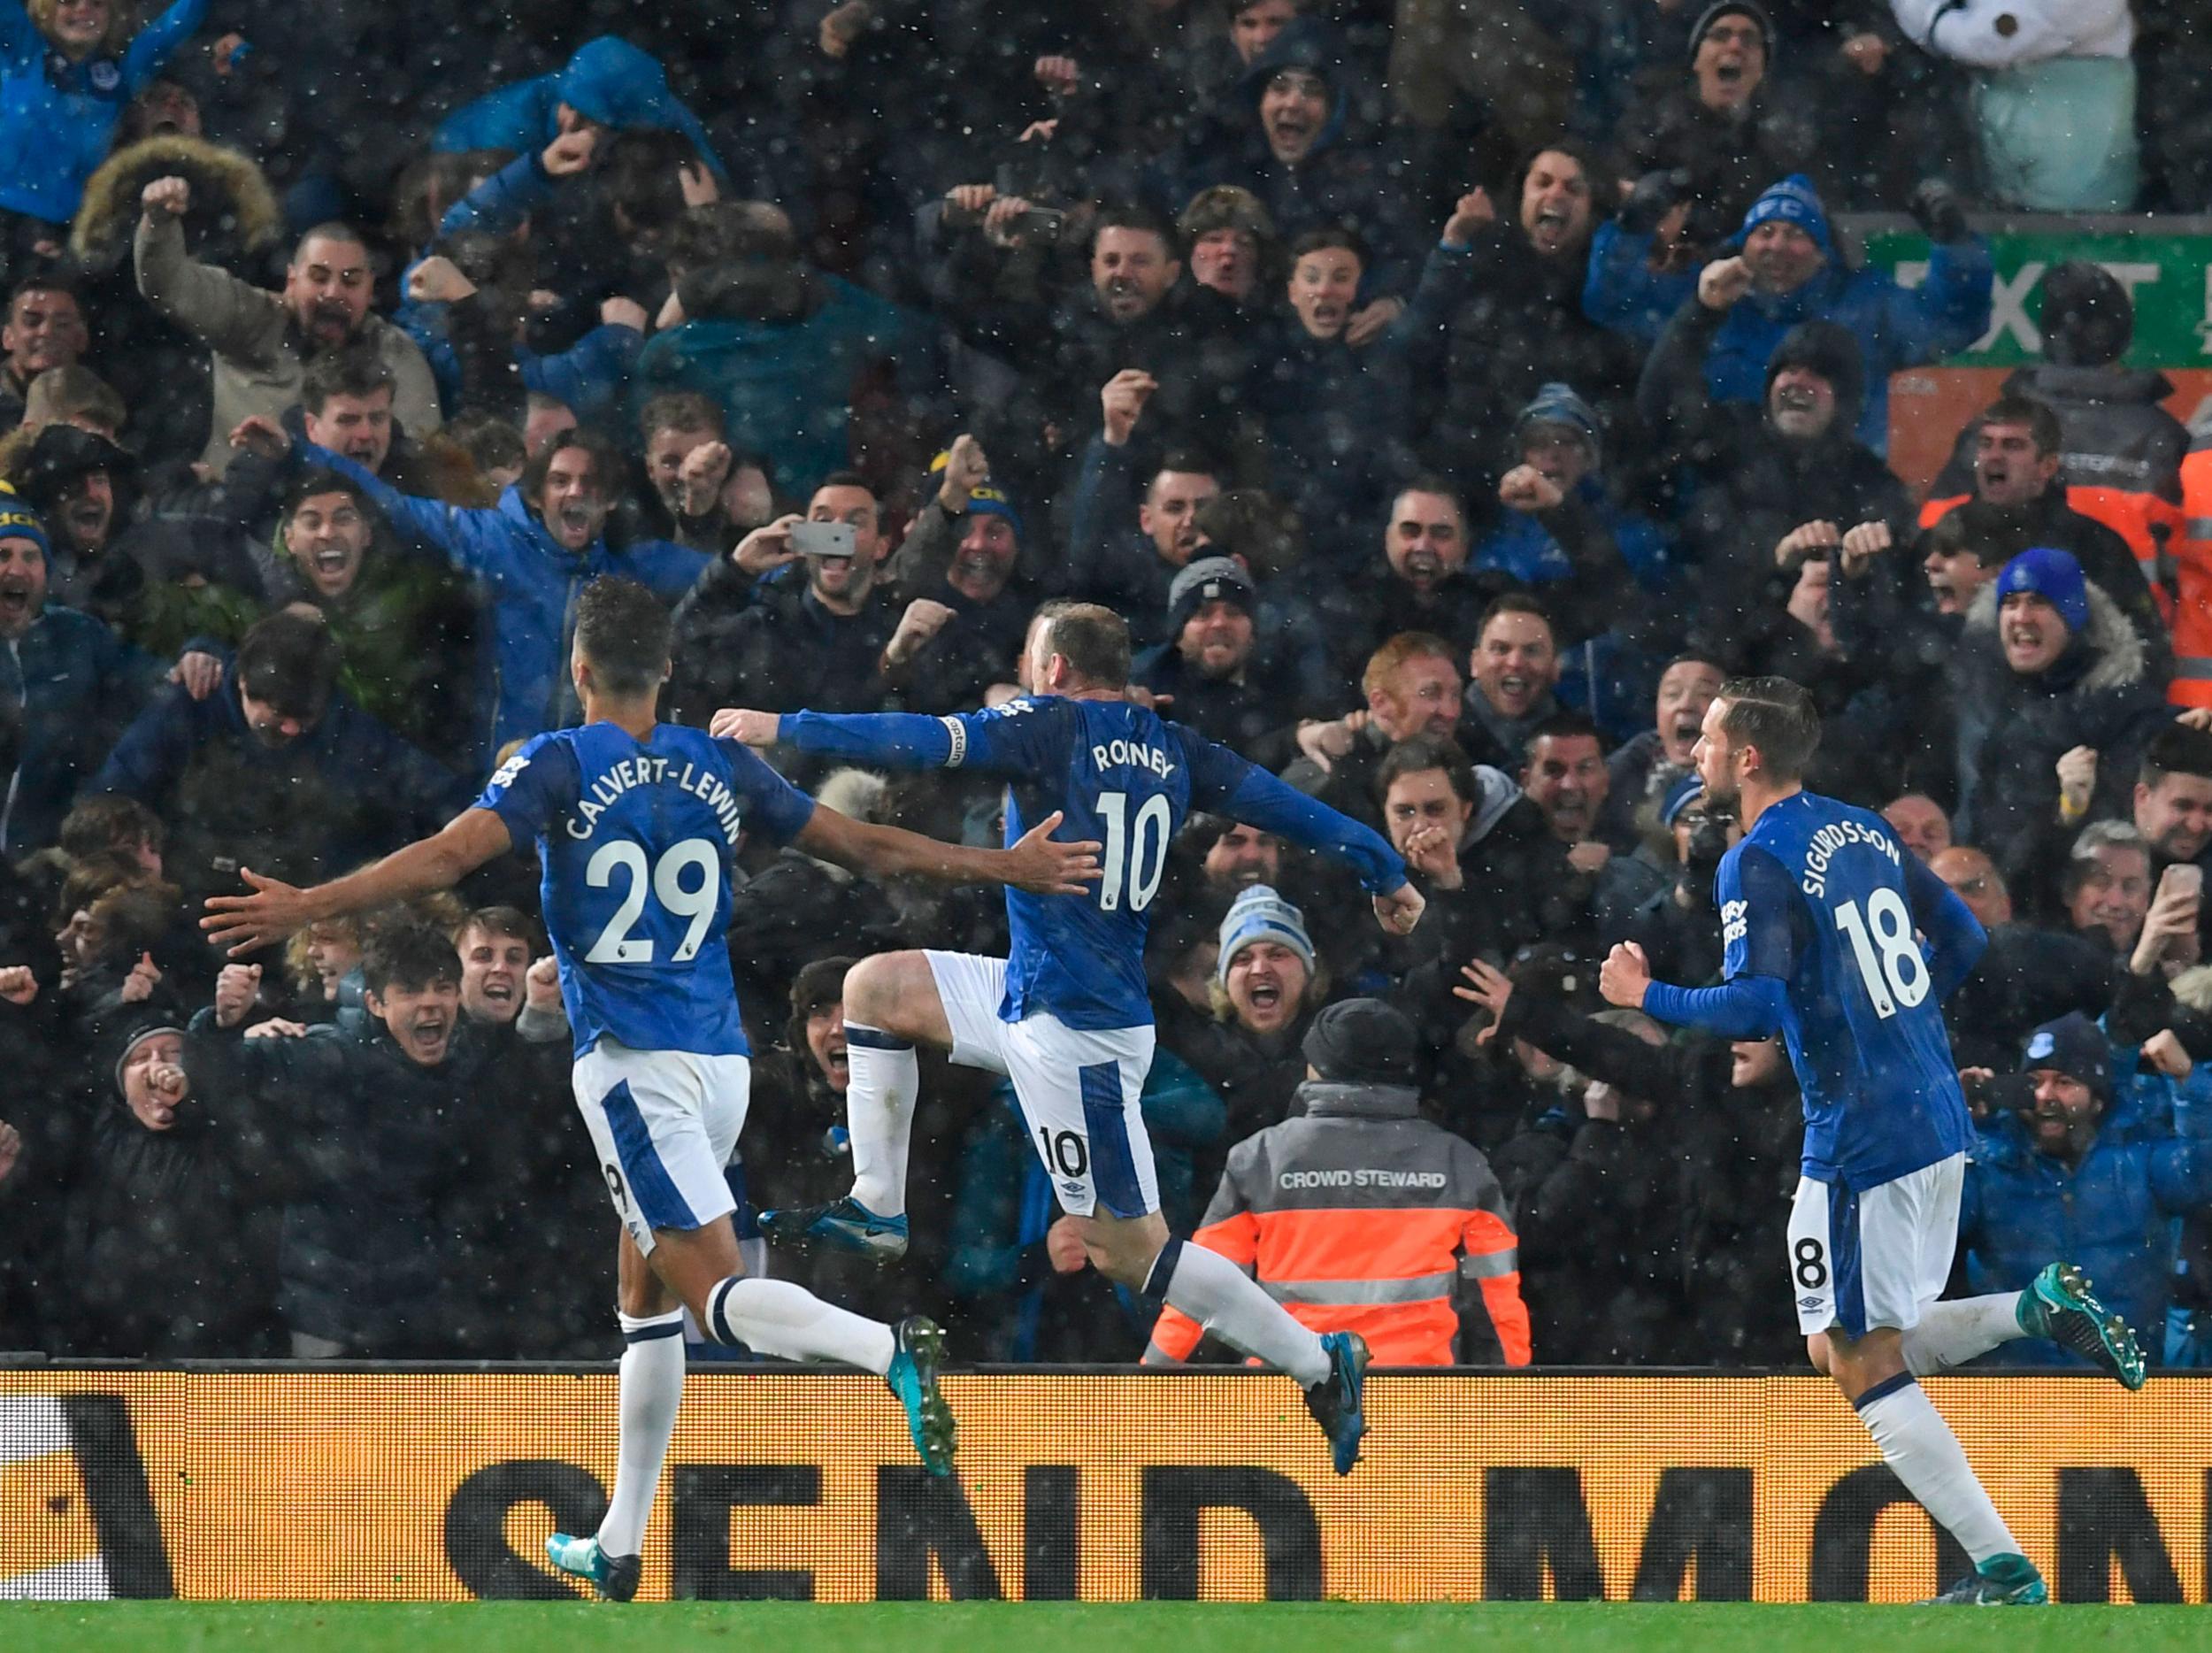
(1855, 1258)
(663, 1124)
(1097, 1154)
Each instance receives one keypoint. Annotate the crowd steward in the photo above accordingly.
(1450, 398)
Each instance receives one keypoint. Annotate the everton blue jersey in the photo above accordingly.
(1123, 777)
(636, 842)
(1822, 898)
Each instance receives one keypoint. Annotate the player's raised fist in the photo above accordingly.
(1401, 909)
(748, 728)
(1625, 975)
(1042, 865)
(172, 196)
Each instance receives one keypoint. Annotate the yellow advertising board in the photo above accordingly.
(440, 1485)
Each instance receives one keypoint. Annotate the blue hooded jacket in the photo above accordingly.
(77, 686)
(58, 119)
(608, 80)
(2114, 1215)
(530, 583)
(1895, 326)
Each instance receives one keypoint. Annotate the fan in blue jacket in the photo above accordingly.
(2096, 1167)
(1788, 271)
(63, 88)
(532, 555)
(608, 83)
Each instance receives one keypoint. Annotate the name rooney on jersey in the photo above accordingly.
(1836, 836)
(618, 778)
(1115, 754)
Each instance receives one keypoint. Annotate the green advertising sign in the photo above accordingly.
(2168, 276)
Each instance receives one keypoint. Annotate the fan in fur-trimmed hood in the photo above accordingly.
(233, 211)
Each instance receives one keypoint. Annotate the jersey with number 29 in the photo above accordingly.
(636, 841)
(1821, 896)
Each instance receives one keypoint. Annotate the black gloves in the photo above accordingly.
(1936, 207)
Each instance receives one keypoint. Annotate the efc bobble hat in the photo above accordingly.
(1258, 914)
(2072, 1045)
(2054, 576)
(1793, 201)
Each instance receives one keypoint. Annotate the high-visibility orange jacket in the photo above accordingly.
(1360, 1216)
(2118, 451)
(2191, 550)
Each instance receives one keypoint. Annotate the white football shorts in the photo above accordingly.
(1876, 1258)
(664, 1124)
(1077, 1087)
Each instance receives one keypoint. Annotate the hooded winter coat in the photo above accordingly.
(609, 80)
(530, 583)
(2012, 730)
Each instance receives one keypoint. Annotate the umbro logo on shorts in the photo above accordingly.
(1810, 1302)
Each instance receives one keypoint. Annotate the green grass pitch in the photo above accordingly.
(1063, 1627)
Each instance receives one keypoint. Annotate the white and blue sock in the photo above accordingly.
(1223, 1299)
(652, 1389)
(1918, 1445)
(883, 1079)
(774, 1317)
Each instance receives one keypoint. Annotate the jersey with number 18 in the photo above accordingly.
(1821, 896)
(636, 841)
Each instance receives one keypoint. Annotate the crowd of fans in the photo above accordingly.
(1450, 396)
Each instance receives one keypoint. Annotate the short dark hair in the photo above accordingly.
(1252, 524)
(1429, 482)
(1776, 716)
(1422, 752)
(623, 630)
(491, 442)
(1328, 235)
(500, 920)
(1132, 215)
(678, 409)
(330, 229)
(289, 661)
(606, 462)
(1516, 602)
(1092, 639)
(642, 170)
(322, 479)
(2177, 750)
(408, 955)
(2037, 415)
(109, 821)
(349, 370)
(53, 279)
(1561, 726)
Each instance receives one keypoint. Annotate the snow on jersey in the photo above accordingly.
(636, 841)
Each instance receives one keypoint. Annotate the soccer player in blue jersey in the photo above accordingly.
(636, 823)
(1067, 1017)
(1821, 910)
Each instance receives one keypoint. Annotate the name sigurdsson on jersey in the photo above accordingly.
(1838, 835)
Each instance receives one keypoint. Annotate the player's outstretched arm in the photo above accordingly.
(1245, 792)
(274, 910)
(1037, 863)
(898, 740)
(1747, 1007)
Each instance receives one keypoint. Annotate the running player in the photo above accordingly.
(635, 823)
(1819, 908)
(1067, 1017)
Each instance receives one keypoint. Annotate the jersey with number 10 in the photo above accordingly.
(636, 841)
(1122, 777)
(1821, 896)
